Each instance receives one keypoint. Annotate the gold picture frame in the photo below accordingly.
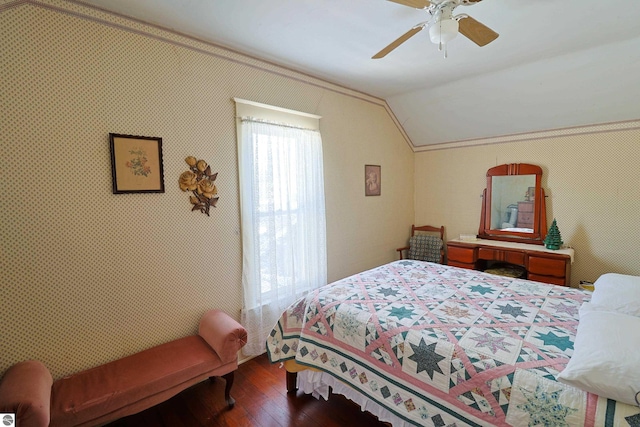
(372, 180)
(136, 164)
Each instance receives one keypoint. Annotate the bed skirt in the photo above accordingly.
(317, 383)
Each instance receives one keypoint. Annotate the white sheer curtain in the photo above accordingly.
(283, 222)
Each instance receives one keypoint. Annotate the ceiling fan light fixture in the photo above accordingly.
(443, 31)
(443, 26)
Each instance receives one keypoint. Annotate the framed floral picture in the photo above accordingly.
(372, 180)
(136, 164)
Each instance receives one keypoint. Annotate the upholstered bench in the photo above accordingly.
(124, 386)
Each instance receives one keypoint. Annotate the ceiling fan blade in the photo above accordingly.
(418, 4)
(397, 42)
(478, 33)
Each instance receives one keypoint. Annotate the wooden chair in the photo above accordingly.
(431, 241)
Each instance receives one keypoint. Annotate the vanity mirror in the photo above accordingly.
(513, 217)
(513, 204)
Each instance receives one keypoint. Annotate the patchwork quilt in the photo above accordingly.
(443, 346)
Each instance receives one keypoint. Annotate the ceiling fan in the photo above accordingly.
(443, 26)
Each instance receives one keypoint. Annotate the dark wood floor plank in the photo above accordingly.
(261, 401)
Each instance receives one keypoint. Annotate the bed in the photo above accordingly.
(425, 344)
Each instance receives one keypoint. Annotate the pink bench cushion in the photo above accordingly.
(132, 382)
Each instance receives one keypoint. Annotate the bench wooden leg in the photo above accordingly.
(227, 389)
(292, 382)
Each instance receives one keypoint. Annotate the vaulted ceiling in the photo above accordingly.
(556, 64)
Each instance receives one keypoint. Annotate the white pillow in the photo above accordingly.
(605, 359)
(617, 292)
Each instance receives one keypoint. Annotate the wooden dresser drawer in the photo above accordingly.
(546, 266)
(525, 220)
(485, 253)
(452, 263)
(460, 254)
(501, 255)
(525, 207)
(548, 279)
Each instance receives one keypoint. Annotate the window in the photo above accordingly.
(283, 219)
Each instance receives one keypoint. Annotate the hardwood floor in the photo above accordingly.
(261, 400)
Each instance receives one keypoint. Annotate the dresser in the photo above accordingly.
(541, 264)
(525, 215)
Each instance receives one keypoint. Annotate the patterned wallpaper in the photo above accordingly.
(88, 276)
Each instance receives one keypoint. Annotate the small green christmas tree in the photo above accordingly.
(553, 239)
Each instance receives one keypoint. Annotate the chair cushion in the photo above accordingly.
(424, 247)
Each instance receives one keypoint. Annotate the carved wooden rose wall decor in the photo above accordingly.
(200, 181)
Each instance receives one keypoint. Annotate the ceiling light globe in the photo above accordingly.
(443, 31)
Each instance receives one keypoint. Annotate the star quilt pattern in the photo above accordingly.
(443, 346)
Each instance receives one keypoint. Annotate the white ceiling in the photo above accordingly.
(556, 64)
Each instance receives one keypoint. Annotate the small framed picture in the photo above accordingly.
(136, 164)
(372, 180)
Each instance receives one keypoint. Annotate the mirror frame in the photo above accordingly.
(540, 211)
